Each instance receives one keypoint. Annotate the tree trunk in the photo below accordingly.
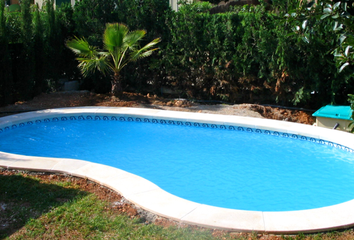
(117, 90)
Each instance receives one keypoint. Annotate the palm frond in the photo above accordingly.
(113, 37)
(145, 54)
(89, 57)
(144, 51)
(114, 42)
(132, 38)
(88, 66)
(81, 47)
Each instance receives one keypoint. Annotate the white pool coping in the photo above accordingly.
(150, 197)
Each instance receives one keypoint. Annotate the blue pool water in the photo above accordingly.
(226, 168)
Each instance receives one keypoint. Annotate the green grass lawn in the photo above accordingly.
(33, 207)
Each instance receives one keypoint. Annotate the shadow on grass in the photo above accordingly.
(24, 198)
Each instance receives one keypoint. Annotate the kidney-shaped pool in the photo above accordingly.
(250, 165)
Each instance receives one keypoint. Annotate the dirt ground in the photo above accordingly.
(84, 98)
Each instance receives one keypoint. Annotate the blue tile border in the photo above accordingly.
(174, 122)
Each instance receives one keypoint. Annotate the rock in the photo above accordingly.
(178, 103)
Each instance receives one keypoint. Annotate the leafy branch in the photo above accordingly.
(339, 13)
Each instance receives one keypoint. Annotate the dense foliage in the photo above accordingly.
(253, 54)
(340, 14)
(249, 54)
(33, 57)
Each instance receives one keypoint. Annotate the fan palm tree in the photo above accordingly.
(120, 48)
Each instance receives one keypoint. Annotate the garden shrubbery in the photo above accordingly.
(250, 54)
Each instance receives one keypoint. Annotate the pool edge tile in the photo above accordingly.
(130, 184)
(98, 172)
(226, 219)
(163, 203)
(29, 163)
(312, 220)
(69, 165)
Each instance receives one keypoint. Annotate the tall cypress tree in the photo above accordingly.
(25, 81)
(39, 53)
(53, 42)
(6, 83)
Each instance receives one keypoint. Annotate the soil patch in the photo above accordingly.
(85, 98)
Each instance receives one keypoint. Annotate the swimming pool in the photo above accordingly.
(151, 197)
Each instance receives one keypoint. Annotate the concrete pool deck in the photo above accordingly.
(150, 197)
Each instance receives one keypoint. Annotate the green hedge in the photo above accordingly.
(251, 54)
(34, 55)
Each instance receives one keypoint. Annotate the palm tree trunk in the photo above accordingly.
(116, 90)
